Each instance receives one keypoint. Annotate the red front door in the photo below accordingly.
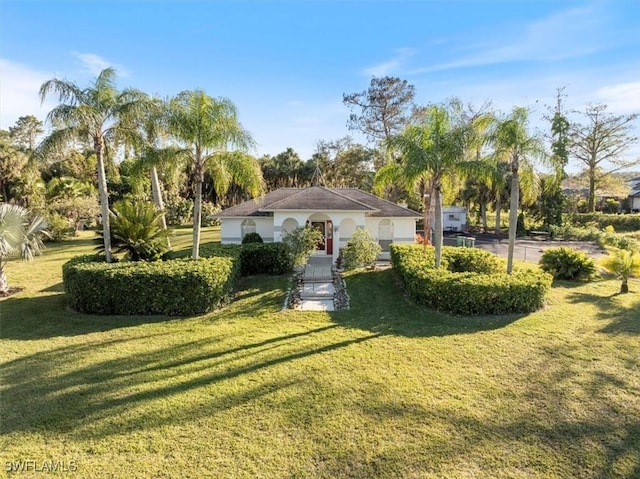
(329, 237)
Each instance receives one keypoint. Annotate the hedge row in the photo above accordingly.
(255, 258)
(176, 287)
(621, 223)
(479, 290)
(265, 258)
(179, 286)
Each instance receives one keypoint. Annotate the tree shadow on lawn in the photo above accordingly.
(41, 317)
(379, 304)
(621, 318)
(72, 390)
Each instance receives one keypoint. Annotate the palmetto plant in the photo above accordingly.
(19, 235)
(99, 114)
(136, 229)
(624, 264)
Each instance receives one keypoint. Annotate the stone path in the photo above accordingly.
(317, 285)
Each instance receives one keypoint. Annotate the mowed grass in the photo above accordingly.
(386, 389)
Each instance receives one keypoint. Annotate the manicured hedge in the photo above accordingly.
(265, 258)
(175, 287)
(480, 291)
(621, 223)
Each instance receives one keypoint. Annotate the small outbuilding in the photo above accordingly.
(454, 218)
(337, 212)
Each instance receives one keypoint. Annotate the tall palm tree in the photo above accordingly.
(19, 235)
(433, 152)
(207, 127)
(99, 114)
(512, 140)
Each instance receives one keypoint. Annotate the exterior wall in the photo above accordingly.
(231, 229)
(635, 203)
(270, 228)
(404, 229)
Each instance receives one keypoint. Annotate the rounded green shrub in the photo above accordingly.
(252, 238)
(484, 289)
(265, 258)
(362, 250)
(177, 287)
(567, 263)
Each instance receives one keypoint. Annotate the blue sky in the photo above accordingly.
(286, 64)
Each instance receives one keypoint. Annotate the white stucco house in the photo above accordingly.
(337, 212)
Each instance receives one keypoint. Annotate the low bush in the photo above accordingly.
(567, 263)
(362, 250)
(265, 258)
(252, 238)
(176, 287)
(484, 291)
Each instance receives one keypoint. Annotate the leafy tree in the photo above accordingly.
(13, 162)
(25, 132)
(19, 235)
(550, 205)
(433, 152)
(383, 110)
(284, 170)
(99, 114)
(206, 127)
(136, 230)
(344, 164)
(512, 140)
(603, 137)
(624, 264)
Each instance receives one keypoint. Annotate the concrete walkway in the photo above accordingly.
(317, 285)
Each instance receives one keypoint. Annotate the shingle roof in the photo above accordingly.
(318, 198)
(383, 207)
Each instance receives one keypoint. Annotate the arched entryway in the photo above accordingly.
(323, 223)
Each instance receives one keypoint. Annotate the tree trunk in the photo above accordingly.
(483, 215)
(498, 212)
(591, 206)
(156, 191)
(197, 203)
(426, 217)
(104, 198)
(513, 214)
(437, 234)
(624, 287)
(4, 283)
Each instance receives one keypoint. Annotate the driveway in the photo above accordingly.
(528, 249)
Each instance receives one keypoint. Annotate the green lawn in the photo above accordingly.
(386, 389)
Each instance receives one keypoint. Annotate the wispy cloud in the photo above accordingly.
(94, 64)
(621, 97)
(390, 66)
(567, 34)
(19, 93)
